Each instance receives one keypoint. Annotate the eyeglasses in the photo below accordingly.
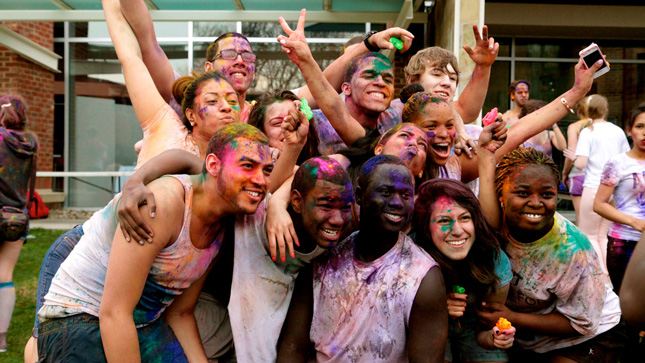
(231, 54)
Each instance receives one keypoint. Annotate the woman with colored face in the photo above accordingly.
(623, 177)
(449, 224)
(559, 300)
(268, 114)
(435, 116)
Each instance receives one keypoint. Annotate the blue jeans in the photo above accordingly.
(57, 253)
(77, 338)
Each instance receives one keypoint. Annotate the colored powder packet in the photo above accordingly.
(304, 107)
(503, 324)
(490, 117)
(458, 289)
(398, 44)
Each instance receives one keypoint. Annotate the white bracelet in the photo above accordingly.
(566, 104)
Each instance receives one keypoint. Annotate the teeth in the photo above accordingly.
(533, 216)
(456, 243)
(442, 93)
(329, 232)
(377, 94)
(237, 74)
(254, 194)
(442, 145)
(393, 217)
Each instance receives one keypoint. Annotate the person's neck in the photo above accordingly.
(367, 119)
(524, 236)
(636, 153)
(307, 244)
(208, 208)
(372, 243)
(598, 120)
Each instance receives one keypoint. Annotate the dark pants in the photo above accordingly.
(57, 253)
(619, 252)
(78, 339)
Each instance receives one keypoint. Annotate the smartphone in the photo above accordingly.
(591, 55)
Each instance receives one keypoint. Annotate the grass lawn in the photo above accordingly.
(25, 278)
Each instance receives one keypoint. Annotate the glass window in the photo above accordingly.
(497, 95)
(569, 48)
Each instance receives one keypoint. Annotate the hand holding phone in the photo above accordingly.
(591, 55)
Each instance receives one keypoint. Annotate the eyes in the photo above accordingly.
(445, 220)
(436, 72)
(526, 193)
(387, 192)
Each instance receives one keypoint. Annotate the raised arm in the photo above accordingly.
(293, 344)
(138, 16)
(472, 98)
(428, 320)
(295, 128)
(486, 165)
(143, 93)
(335, 71)
(127, 270)
(135, 193)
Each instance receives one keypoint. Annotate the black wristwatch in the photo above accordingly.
(366, 41)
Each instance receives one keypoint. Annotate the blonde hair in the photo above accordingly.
(591, 108)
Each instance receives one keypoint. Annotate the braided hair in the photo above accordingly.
(520, 157)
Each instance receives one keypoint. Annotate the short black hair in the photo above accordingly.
(368, 169)
(319, 168)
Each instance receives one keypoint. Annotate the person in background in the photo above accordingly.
(547, 139)
(519, 91)
(572, 177)
(597, 143)
(17, 150)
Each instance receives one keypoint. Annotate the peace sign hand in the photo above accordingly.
(486, 49)
(296, 44)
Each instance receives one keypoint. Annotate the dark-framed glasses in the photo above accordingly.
(231, 54)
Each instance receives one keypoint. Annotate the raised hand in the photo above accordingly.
(295, 43)
(493, 135)
(486, 49)
(382, 38)
(295, 126)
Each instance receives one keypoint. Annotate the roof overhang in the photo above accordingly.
(29, 49)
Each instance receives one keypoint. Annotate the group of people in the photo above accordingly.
(254, 233)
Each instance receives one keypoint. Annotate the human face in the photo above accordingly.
(216, 105)
(437, 120)
(240, 73)
(637, 133)
(410, 144)
(273, 117)
(326, 211)
(372, 85)
(244, 175)
(520, 95)
(438, 81)
(529, 199)
(388, 200)
(451, 228)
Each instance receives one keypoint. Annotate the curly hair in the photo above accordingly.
(477, 270)
(522, 157)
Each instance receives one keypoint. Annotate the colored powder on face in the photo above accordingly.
(314, 172)
(236, 108)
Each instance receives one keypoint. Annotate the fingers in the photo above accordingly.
(472, 148)
(476, 33)
(272, 243)
(285, 27)
(468, 49)
(485, 32)
(301, 20)
(282, 243)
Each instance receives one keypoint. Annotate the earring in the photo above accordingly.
(420, 174)
(192, 124)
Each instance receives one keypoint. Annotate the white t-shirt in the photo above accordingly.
(600, 144)
(627, 175)
(261, 289)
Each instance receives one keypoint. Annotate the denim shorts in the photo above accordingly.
(57, 253)
(462, 343)
(77, 338)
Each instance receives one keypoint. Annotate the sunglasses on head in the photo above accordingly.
(231, 54)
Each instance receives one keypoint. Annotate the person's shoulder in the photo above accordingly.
(170, 190)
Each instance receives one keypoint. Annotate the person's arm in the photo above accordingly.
(569, 152)
(472, 98)
(428, 322)
(632, 289)
(538, 121)
(137, 14)
(180, 315)
(549, 324)
(145, 98)
(606, 210)
(334, 73)
(293, 344)
(127, 270)
(135, 193)
(295, 128)
(491, 337)
(557, 138)
(280, 230)
(580, 162)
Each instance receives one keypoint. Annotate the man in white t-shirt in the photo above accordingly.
(320, 207)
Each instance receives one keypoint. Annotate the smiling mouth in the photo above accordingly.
(331, 233)
(442, 149)
(377, 95)
(442, 94)
(457, 243)
(253, 194)
(238, 75)
(393, 217)
(533, 216)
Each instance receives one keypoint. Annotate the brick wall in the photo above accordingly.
(36, 85)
